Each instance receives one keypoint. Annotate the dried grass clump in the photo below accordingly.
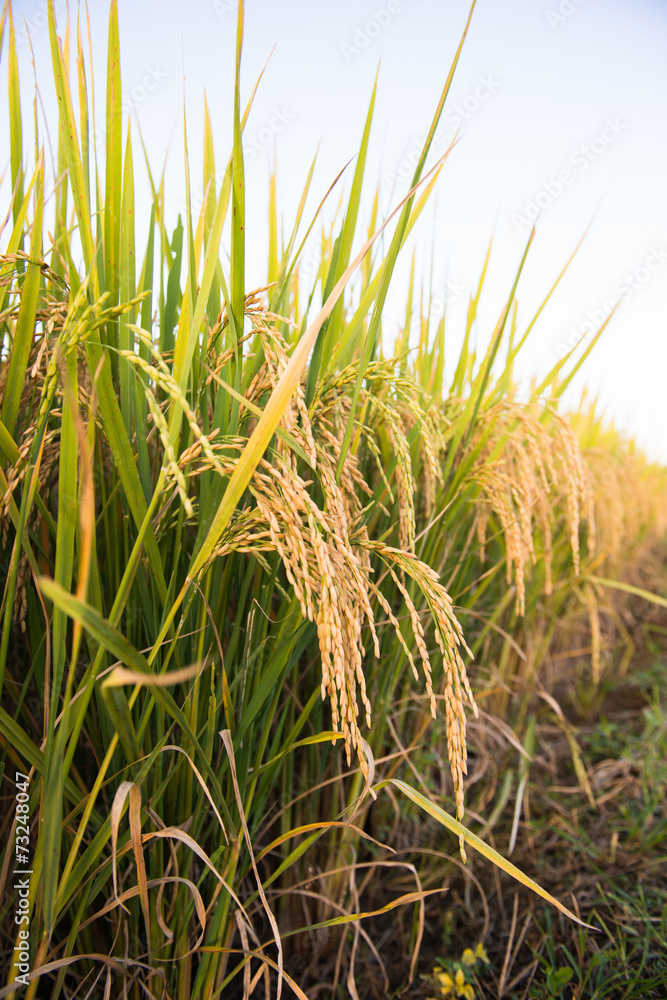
(324, 544)
(529, 469)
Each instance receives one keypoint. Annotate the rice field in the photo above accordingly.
(307, 638)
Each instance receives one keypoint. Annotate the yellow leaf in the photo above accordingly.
(480, 952)
(470, 838)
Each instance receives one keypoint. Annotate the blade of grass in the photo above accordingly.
(488, 852)
(15, 123)
(392, 256)
(25, 326)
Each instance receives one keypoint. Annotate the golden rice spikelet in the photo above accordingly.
(450, 641)
(527, 468)
(325, 547)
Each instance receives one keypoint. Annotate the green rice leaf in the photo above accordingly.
(25, 326)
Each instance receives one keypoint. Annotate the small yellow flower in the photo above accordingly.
(446, 983)
(468, 957)
(480, 952)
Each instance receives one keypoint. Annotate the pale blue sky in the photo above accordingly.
(560, 102)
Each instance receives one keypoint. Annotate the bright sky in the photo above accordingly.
(560, 104)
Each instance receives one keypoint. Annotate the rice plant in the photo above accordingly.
(237, 540)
